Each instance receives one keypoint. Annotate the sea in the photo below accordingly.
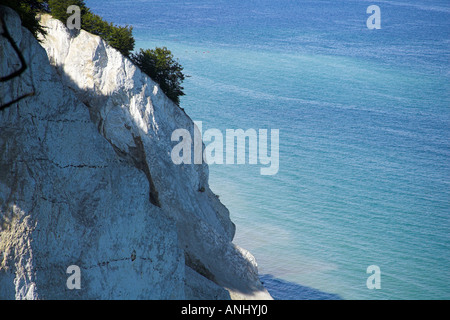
(364, 134)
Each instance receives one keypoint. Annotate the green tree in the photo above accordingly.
(58, 8)
(93, 24)
(120, 38)
(160, 65)
(28, 10)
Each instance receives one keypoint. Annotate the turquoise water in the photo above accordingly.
(364, 133)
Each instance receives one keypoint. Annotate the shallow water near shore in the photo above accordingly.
(364, 122)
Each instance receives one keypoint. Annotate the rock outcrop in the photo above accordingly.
(86, 179)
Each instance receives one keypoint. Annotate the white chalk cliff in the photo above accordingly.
(86, 179)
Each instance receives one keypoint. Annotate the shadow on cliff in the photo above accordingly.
(284, 290)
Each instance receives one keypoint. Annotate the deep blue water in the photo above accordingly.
(364, 133)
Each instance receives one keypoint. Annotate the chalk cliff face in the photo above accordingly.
(86, 179)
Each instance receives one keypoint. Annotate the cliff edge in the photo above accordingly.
(86, 179)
